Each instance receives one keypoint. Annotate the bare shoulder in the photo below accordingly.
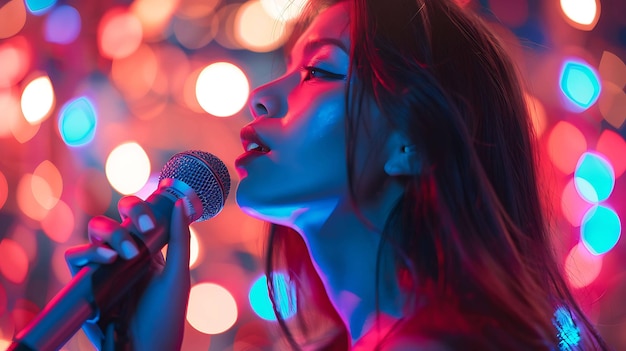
(415, 343)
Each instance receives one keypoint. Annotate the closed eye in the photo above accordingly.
(312, 72)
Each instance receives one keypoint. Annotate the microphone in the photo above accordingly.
(198, 177)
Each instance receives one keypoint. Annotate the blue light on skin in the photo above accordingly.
(261, 303)
(62, 25)
(594, 177)
(580, 85)
(77, 122)
(39, 7)
(601, 230)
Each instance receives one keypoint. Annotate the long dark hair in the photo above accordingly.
(470, 225)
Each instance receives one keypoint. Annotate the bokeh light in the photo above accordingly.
(260, 300)
(582, 267)
(119, 34)
(582, 14)
(15, 55)
(566, 144)
(222, 89)
(612, 102)
(135, 74)
(212, 309)
(12, 17)
(26, 200)
(195, 249)
(256, 30)
(573, 206)
(47, 184)
(283, 10)
(58, 224)
(154, 15)
(38, 7)
(62, 25)
(594, 177)
(128, 168)
(14, 263)
(92, 192)
(4, 189)
(37, 99)
(77, 122)
(613, 147)
(579, 84)
(601, 230)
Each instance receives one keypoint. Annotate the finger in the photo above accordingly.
(79, 256)
(104, 230)
(138, 211)
(177, 262)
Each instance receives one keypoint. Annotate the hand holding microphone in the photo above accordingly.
(121, 273)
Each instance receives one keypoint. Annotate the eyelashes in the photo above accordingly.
(312, 72)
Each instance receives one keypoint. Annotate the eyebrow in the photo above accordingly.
(318, 43)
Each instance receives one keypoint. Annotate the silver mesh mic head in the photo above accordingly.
(205, 174)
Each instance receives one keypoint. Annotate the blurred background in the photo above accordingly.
(95, 96)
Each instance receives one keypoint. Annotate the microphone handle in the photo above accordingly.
(95, 287)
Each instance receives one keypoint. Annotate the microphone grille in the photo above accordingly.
(205, 174)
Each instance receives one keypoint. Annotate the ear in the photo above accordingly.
(403, 158)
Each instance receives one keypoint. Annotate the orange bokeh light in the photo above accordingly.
(59, 223)
(582, 267)
(135, 73)
(15, 55)
(26, 200)
(12, 17)
(119, 33)
(47, 184)
(154, 15)
(14, 263)
(566, 144)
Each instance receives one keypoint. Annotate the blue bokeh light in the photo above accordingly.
(594, 177)
(38, 7)
(62, 25)
(601, 230)
(77, 122)
(568, 332)
(580, 84)
(261, 303)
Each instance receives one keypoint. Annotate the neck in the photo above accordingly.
(344, 249)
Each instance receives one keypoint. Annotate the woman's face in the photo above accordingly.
(295, 149)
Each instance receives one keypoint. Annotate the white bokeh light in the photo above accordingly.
(37, 99)
(222, 89)
(128, 168)
(581, 12)
(212, 309)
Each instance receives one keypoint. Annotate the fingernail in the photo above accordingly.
(145, 223)
(81, 261)
(128, 249)
(105, 253)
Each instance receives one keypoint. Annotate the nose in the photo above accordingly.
(268, 100)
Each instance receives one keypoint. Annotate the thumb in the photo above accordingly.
(177, 261)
